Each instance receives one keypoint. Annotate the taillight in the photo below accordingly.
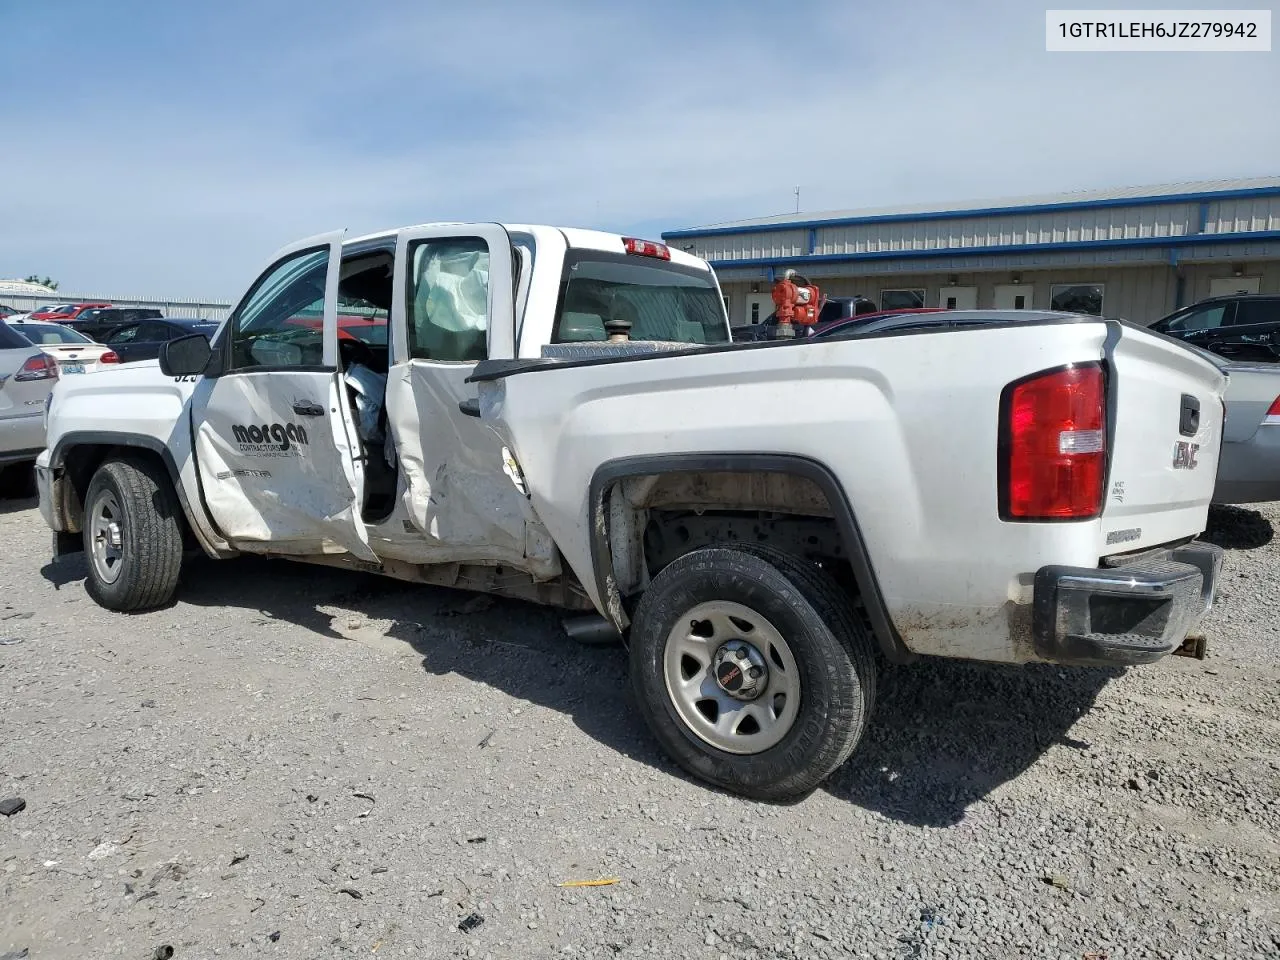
(1053, 445)
(1273, 412)
(109, 357)
(39, 367)
(646, 248)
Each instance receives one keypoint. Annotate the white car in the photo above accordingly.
(559, 415)
(74, 352)
(27, 376)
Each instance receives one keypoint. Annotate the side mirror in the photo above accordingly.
(185, 356)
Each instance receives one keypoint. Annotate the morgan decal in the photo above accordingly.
(270, 439)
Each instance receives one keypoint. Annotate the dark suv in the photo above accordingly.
(1237, 327)
(100, 321)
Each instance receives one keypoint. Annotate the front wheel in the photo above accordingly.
(132, 531)
(752, 669)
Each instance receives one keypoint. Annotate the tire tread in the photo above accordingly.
(153, 559)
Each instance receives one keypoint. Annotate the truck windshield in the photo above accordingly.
(663, 301)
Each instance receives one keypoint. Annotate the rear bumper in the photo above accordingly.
(1136, 612)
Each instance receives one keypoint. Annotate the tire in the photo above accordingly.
(135, 564)
(825, 646)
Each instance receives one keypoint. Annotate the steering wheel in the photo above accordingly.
(355, 351)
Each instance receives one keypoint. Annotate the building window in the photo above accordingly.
(755, 311)
(901, 299)
(1076, 298)
(727, 303)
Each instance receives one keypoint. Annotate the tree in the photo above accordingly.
(47, 281)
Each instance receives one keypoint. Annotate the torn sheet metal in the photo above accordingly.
(457, 496)
(274, 477)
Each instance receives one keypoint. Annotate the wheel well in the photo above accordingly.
(655, 519)
(78, 467)
(646, 518)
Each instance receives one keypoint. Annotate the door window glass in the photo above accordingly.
(1206, 318)
(1257, 311)
(154, 332)
(448, 299)
(264, 330)
(124, 335)
(1076, 298)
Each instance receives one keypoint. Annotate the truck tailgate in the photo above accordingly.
(1167, 417)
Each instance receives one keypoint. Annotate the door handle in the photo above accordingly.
(304, 408)
(470, 407)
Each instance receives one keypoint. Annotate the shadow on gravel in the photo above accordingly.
(518, 648)
(18, 504)
(1238, 528)
(945, 734)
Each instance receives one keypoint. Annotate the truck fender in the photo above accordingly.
(209, 541)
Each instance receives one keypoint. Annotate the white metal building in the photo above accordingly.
(1137, 253)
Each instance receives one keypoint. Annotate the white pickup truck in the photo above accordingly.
(558, 415)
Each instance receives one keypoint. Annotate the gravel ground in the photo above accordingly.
(298, 763)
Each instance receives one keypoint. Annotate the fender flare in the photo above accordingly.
(608, 474)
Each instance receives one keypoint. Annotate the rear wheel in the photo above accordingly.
(132, 531)
(752, 669)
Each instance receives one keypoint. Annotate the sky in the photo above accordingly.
(167, 149)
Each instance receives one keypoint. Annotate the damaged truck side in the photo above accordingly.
(558, 415)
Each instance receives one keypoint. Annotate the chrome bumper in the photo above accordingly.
(1135, 612)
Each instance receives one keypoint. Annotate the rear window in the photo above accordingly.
(10, 339)
(50, 333)
(663, 301)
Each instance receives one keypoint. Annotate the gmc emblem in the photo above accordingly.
(1184, 455)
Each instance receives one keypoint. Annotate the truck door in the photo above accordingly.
(452, 307)
(275, 441)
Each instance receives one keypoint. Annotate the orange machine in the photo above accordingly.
(796, 302)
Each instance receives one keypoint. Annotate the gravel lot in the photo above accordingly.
(293, 762)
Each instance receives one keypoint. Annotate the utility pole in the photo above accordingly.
(797, 199)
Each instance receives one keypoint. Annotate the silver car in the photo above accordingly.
(27, 376)
(1249, 468)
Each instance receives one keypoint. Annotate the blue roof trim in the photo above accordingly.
(1190, 239)
(1203, 197)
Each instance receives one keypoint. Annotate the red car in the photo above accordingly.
(366, 329)
(68, 312)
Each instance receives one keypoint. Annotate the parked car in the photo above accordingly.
(834, 310)
(67, 311)
(74, 352)
(98, 322)
(371, 330)
(142, 340)
(1015, 491)
(27, 375)
(6, 311)
(1241, 326)
(1249, 468)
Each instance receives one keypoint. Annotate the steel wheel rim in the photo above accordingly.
(707, 710)
(107, 536)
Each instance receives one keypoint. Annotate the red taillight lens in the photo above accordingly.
(646, 248)
(1053, 445)
(39, 367)
(109, 357)
(1273, 412)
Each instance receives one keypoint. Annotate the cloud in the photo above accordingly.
(182, 182)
